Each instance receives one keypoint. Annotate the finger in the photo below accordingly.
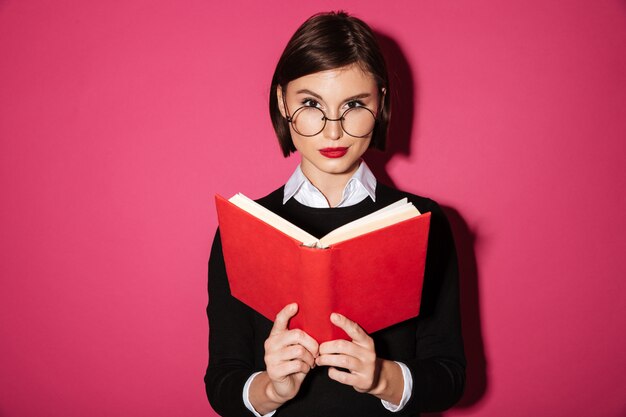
(340, 361)
(299, 337)
(279, 346)
(296, 339)
(292, 337)
(294, 352)
(282, 318)
(338, 346)
(287, 368)
(345, 378)
(353, 330)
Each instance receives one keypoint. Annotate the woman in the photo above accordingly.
(330, 101)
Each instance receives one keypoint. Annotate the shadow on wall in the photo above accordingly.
(465, 240)
(404, 101)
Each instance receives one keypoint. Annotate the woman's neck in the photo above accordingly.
(330, 185)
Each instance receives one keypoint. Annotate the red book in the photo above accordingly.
(374, 278)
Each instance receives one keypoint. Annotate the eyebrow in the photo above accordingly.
(355, 97)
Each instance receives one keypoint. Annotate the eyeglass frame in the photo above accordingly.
(326, 119)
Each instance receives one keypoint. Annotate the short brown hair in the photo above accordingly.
(324, 42)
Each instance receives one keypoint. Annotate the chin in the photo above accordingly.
(338, 167)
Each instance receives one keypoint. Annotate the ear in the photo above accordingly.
(281, 101)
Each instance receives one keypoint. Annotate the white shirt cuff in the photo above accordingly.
(246, 397)
(406, 392)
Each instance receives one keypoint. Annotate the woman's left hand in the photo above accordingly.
(357, 356)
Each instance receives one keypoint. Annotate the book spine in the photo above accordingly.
(316, 294)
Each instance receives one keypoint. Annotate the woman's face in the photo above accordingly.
(331, 151)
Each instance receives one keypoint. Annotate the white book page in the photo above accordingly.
(273, 219)
(377, 213)
(391, 214)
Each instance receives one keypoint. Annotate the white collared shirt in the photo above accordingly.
(360, 186)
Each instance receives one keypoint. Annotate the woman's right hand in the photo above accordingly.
(289, 356)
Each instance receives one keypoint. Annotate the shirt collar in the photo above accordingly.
(361, 185)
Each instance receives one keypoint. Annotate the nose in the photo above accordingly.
(333, 129)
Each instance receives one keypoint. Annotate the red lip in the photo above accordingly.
(333, 152)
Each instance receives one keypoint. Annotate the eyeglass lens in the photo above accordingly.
(309, 121)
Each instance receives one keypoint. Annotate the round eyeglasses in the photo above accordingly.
(355, 121)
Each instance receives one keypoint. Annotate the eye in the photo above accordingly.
(355, 103)
(309, 102)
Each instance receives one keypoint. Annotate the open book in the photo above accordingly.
(370, 270)
(386, 216)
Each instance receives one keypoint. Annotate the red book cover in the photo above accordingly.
(374, 279)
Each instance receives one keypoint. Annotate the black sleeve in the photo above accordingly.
(230, 342)
(438, 369)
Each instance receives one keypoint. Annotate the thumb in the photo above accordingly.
(282, 318)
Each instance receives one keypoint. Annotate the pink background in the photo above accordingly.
(120, 120)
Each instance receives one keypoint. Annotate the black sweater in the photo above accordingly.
(430, 345)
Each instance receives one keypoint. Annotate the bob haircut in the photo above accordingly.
(324, 42)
